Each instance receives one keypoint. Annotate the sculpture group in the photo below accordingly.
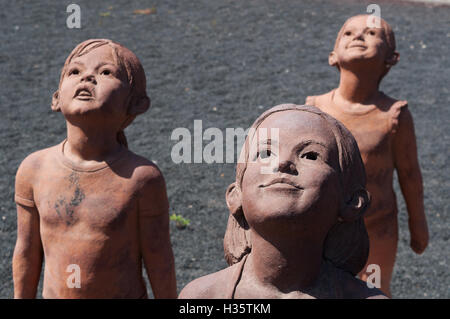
(306, 229)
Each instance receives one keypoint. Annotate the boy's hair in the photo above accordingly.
(126, 60)
(388, 34)
(347, 243)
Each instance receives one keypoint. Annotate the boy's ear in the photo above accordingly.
(332, 58)
(393, 59)
(138, 105)
(55, 102)
(234, 199)
(356, 206)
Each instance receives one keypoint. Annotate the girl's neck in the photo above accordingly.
(288, 265)
(91, 144)
(357, 87)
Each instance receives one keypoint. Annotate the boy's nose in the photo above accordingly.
(89, 78)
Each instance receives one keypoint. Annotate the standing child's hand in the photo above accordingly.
(419, 235)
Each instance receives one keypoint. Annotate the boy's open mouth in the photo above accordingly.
(83, 93)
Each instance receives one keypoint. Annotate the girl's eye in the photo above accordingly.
(106, 72)
(312, 156)
(371, 32)
(264, 154)
(347, 33)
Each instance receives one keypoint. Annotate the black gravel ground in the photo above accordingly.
(224, 62)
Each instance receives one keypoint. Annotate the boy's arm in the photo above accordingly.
(410, 179)
(28, 253)
(154, 235)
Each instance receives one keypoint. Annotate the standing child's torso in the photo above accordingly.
(89, 218)
(374, 129)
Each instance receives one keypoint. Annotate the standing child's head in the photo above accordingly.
(361, 40)
(102, 82)
(316, 187)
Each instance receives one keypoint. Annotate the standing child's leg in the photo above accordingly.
(383, 235)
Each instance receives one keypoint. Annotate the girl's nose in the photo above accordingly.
(287, 167)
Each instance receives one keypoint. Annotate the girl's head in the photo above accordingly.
(360, 39)
(318, 181)
(129, 71)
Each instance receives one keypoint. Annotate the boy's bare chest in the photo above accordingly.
(74, 199)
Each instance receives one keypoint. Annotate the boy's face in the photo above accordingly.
(94, 84)
(360, 42)
(304, 185)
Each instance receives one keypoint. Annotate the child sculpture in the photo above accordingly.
(296, 232)
(384, 130)
(90, 206)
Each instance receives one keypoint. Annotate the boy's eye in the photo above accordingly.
(74, 72)
(312, 156)
(348, 33)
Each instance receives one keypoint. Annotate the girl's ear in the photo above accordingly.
(332, 58)
(55, 102)
(234, 199)
(356, 206)
(393, 59)
(138, 105)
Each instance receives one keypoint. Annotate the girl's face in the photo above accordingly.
(360, 42)
(94, 83)
(292, 177)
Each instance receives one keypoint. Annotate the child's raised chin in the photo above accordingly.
(363, 54)
(96, 100)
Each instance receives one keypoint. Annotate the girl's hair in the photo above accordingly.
(347, 243)
(388, 34)
(126, 60)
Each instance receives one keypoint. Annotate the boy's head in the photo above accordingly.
(359, 38)
(101, 75)
(319, 176)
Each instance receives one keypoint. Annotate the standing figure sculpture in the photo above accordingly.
(383, 128)
(92, 209)
(295, 228)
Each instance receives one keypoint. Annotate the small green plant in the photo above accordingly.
(180, 221)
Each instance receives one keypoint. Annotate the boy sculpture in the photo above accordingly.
(88, 206)
(296, 229)
(384, 130)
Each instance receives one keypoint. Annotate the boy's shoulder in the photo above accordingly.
(34, 161)
(141, 169)
(218, 285)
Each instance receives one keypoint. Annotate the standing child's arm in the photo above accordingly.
(155, 243)
(410, 179)
(28, 252)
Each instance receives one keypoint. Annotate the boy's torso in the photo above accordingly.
(89, 218)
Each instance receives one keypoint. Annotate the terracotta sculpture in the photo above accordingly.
(298, 231)
(89, 202)
(384, 130)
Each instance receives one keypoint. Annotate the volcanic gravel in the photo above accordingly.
(224, 62)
